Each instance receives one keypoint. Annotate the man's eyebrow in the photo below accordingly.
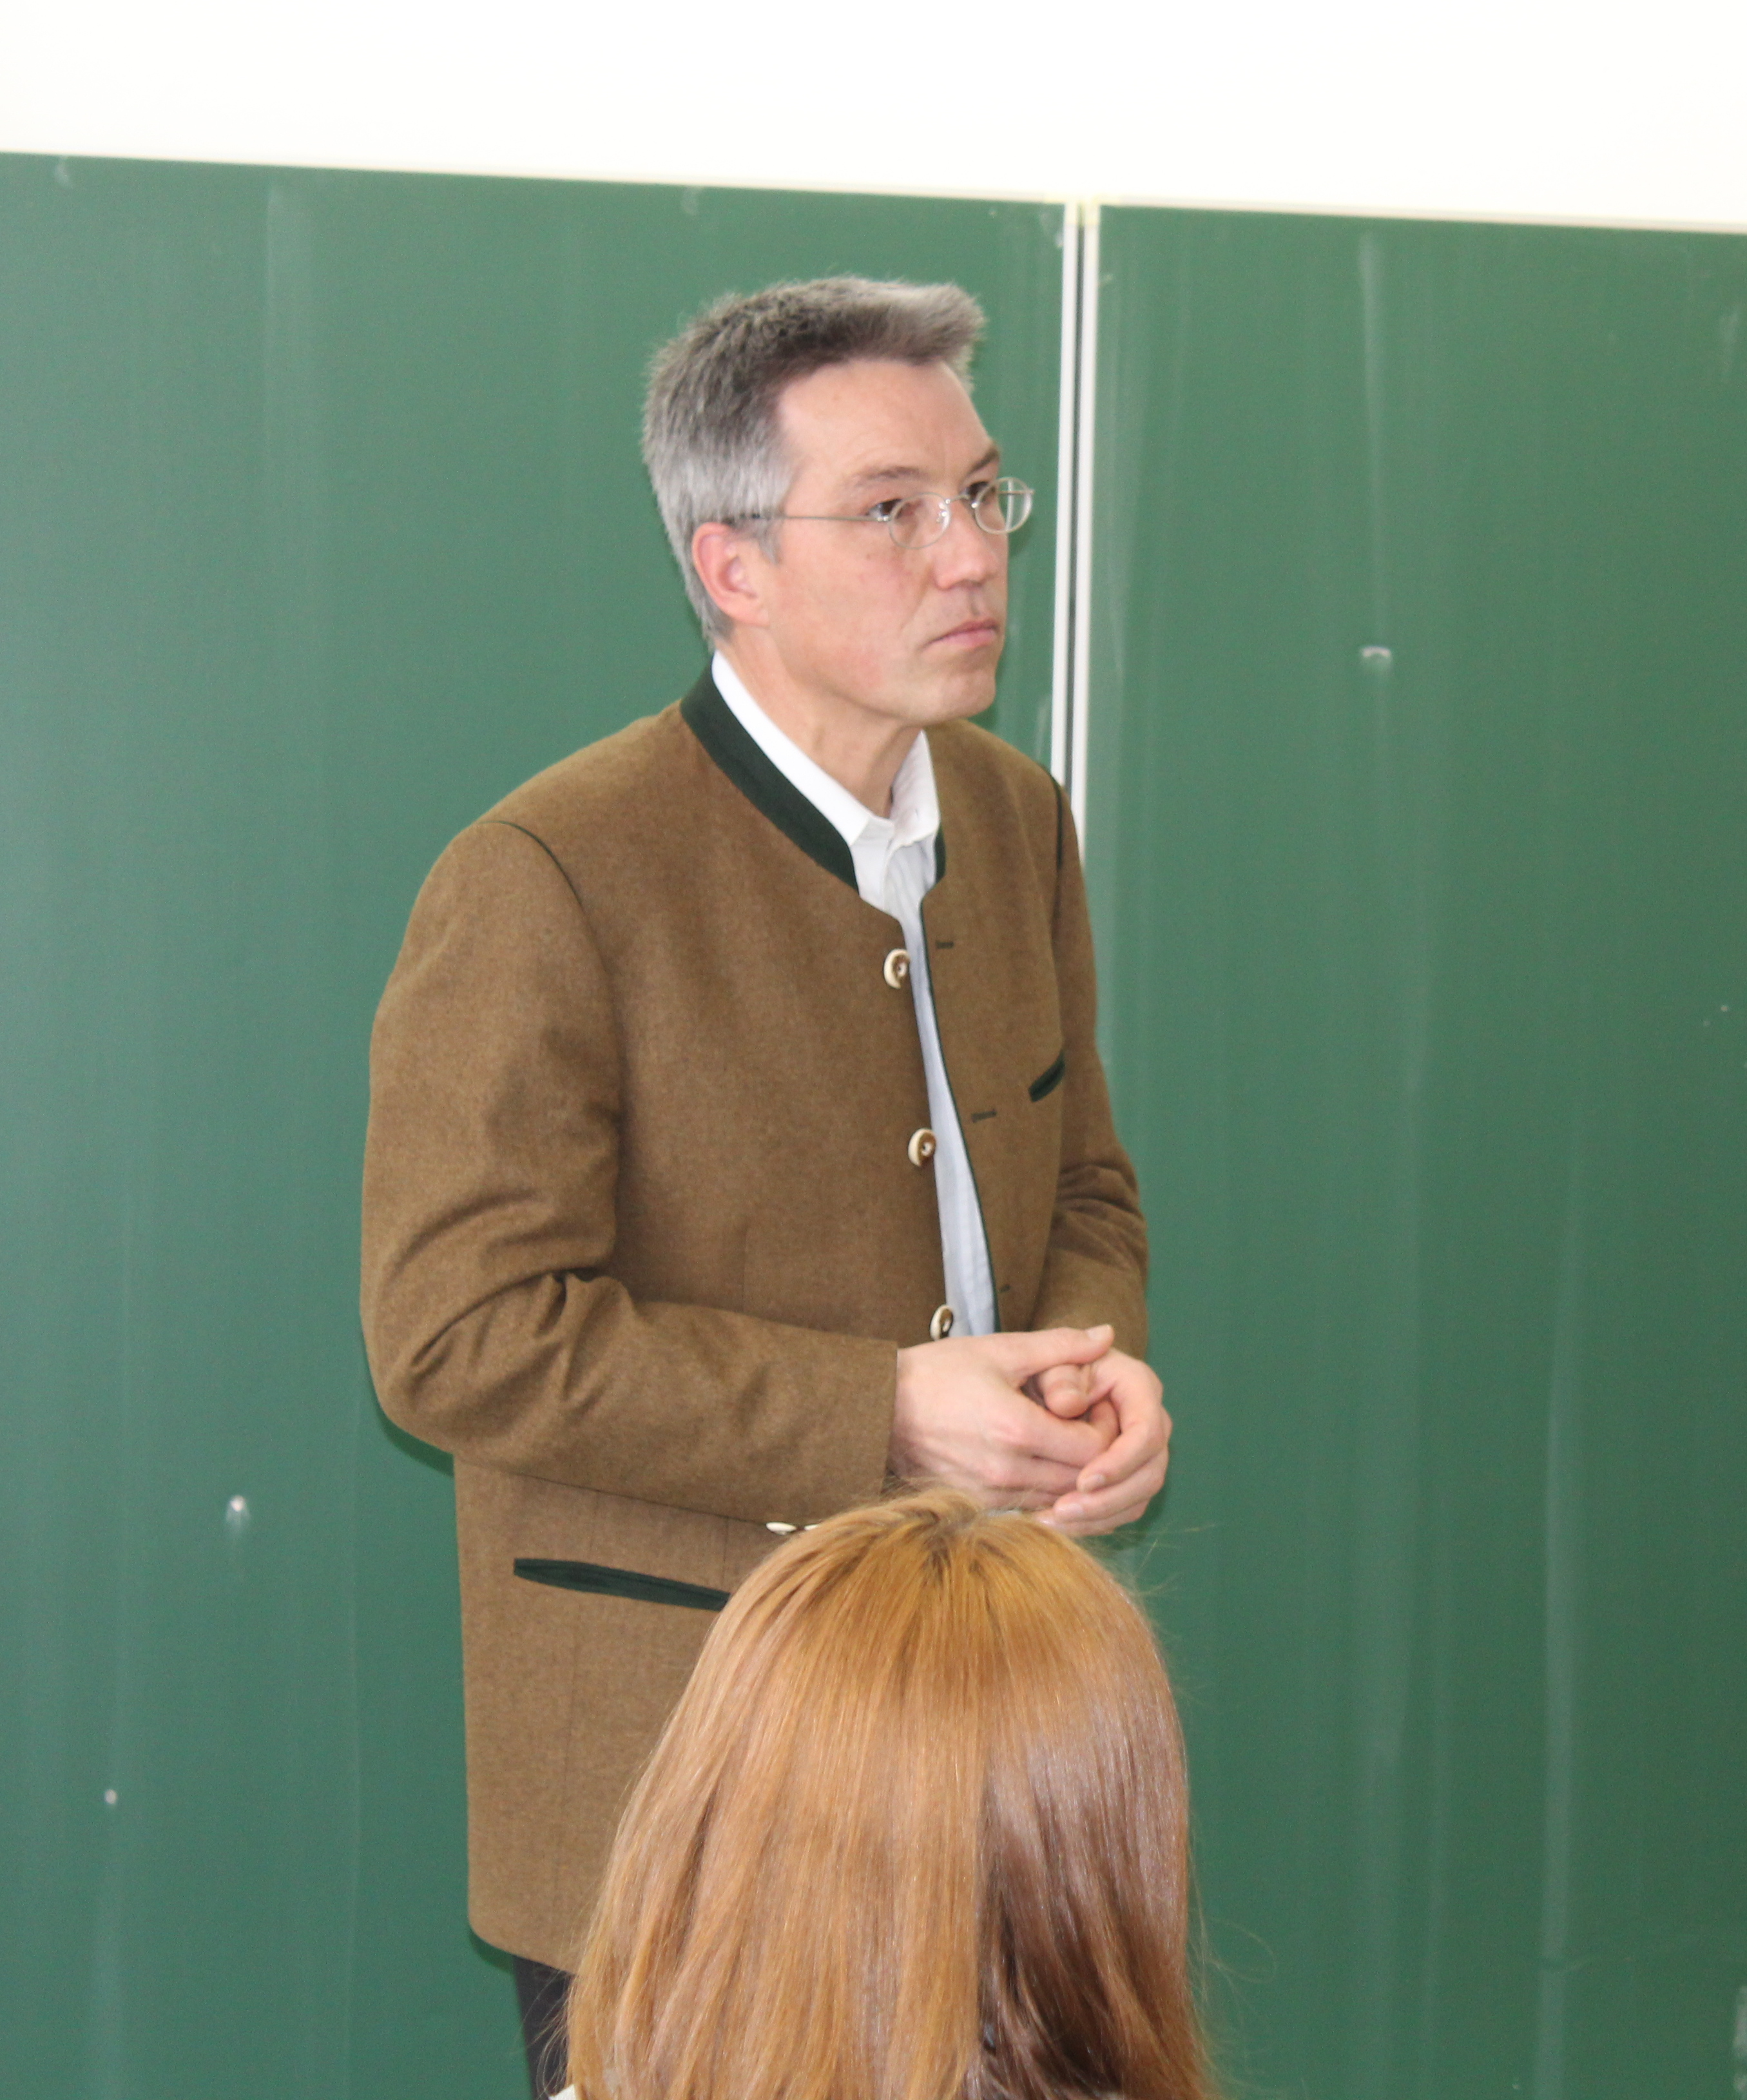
(991, 458)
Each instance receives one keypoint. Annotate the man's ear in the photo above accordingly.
(729, 563)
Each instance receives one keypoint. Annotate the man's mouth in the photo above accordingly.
(971, 634)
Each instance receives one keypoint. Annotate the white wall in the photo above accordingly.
(1548, 109)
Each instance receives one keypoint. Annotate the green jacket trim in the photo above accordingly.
(769, 789)
(621, 1582)
(717, 728)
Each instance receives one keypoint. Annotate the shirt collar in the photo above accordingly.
(915, 802)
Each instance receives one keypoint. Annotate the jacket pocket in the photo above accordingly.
(1046, 1082)
(621, 1582)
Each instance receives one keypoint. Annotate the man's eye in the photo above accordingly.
(975, 490)
(887, 507)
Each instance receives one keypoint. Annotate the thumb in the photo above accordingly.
(1022, 1356)
(1064, 1388)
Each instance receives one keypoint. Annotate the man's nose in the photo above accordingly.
(965, 553)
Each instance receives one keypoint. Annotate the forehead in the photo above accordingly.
(876, 417)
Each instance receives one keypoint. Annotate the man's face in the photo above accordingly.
(913, 636)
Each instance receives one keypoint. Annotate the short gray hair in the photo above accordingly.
(711, 437)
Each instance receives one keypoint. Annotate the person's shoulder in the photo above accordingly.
(609, 794)
(995, 777)
(978, 753)
(604, 817)
(614, 803)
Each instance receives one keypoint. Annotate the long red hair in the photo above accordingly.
(917, 1830)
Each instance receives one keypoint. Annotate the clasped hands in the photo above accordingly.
(1059, 1422)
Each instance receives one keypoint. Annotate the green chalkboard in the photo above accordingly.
(321, 525)
(1418, 837)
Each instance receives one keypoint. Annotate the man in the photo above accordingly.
(738, 1139)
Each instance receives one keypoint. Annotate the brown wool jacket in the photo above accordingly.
(642, 1233)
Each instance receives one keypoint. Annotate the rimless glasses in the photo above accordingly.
(997, 507)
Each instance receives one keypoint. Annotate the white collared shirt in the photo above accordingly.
(895, 870)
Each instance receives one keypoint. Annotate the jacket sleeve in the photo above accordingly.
(1096, 1267)
(493, 1328)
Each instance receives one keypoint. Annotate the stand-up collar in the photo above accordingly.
(805, 803)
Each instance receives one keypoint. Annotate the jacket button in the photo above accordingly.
(941, 1325)
(897, 969)
(921, 1147)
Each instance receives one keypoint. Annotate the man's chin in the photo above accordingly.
(967, 692)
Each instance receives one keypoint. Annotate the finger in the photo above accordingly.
(1114, 1374)
(1022, 1356)
(1137, 1445)
(1120, 1503)
(1077, 1376)
(1029, 1484)
(1003, 1481)
(1103, 1416)
(1144, 1435)
(1042, 1435)
(1144, 1431)
(1034, 1387)
(1089, 1529)
(1064, 1388)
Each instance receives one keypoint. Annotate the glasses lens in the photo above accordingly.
(1004, 506)
(917, 522)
